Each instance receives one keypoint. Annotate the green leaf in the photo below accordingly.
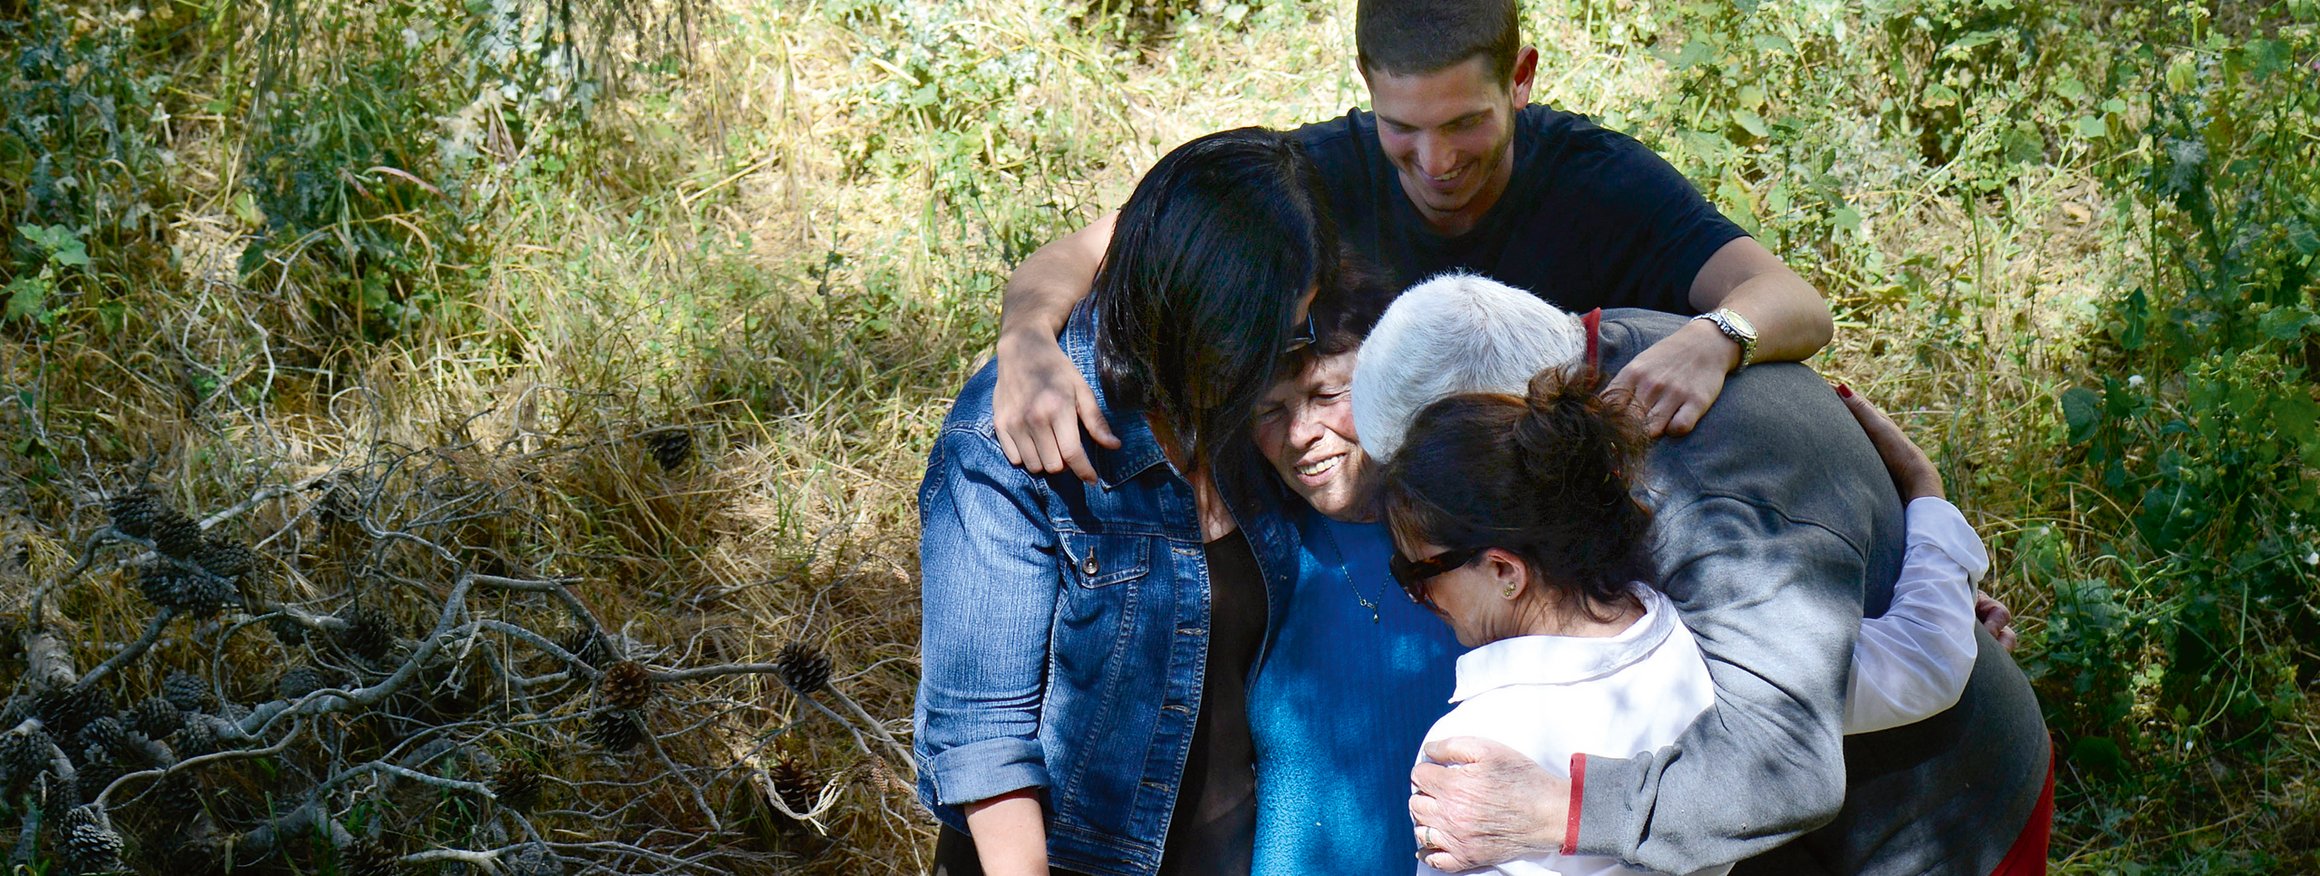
(2293, 413)
(2082, 412)
(2286, 323)
(2183, 75)
(2092, 126)
(2266, 57)
(2098, 754)
(1750, 122)
(1693, 54)
(1846, 219)
(1971, 41)
(72, 254)
(2134, 321)
(27, 297)
(1938, 95)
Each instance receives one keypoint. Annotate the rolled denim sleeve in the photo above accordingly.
(988, 593)
(1775, 605)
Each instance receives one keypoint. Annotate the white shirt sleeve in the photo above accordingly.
(1913, 662)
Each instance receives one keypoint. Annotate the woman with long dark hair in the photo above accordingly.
(1086, 645)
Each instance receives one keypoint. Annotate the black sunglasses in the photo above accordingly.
(1303, 336)
(1413, 574)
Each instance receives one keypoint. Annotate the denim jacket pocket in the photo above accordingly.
(1105, 560)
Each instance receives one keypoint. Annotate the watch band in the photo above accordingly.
(1736, 327)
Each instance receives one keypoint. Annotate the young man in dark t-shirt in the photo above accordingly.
(1453, 168)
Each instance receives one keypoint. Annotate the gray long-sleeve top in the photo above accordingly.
(1780, 529)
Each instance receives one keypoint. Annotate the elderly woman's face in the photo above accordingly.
(1305, 429)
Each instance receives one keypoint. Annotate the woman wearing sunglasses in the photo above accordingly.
(1515, 520)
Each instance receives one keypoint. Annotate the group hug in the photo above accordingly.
(1436, 489)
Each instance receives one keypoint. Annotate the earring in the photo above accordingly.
(1509, 591)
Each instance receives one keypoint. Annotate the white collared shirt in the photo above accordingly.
(1550, 697)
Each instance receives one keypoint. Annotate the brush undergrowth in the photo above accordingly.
(2071, 244)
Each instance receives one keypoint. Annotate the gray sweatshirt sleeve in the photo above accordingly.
(1775, 604)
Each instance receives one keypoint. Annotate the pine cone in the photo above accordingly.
(289, 632)
(670, 447)
(225, 559)
(585, 644)
(24, 755)
(616, 730)
(300, 680)
(176, 535)
(177, 797)
(517, 784)
(92, 775)
(369, 857)
(199, 737)
(369, 632)
(156, 718)
(339, 503)
(107, 739)
(90, 843)
(135, 511)
(794, 781)
(190, 592)
(532, 859)
(805, 668)
(66, 710)
(187, 692)
(626, 685)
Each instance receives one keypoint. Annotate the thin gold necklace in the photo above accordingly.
(1329, 532)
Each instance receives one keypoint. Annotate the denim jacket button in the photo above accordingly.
(1088, 566)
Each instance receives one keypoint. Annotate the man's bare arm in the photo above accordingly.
(1679, 378)
(1041, 400)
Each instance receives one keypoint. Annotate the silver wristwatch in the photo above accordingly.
(1736, 327)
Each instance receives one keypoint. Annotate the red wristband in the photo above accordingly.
(1578, 790)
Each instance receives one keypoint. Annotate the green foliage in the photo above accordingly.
(2199, 426)
(60, 251)
(344, 166)
(79, 123)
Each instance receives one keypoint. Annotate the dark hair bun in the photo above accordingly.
(1575, 444)
(1547, 475)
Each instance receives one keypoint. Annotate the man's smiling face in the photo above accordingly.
(1305, 429)
(1450, 135)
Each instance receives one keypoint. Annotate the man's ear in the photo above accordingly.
(1526, 73)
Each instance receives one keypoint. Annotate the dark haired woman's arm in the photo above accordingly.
(988, 592)
(1041, 400)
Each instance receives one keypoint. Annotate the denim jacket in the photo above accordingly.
(1065, 628)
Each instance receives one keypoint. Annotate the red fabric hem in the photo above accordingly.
(1578, 784)
(2028, 855)
(1594, 325)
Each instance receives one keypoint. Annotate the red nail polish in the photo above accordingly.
(1844, 391)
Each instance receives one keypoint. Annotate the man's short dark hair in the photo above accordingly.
(1417, 37)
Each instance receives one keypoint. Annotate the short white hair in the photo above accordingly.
(1455, 333)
